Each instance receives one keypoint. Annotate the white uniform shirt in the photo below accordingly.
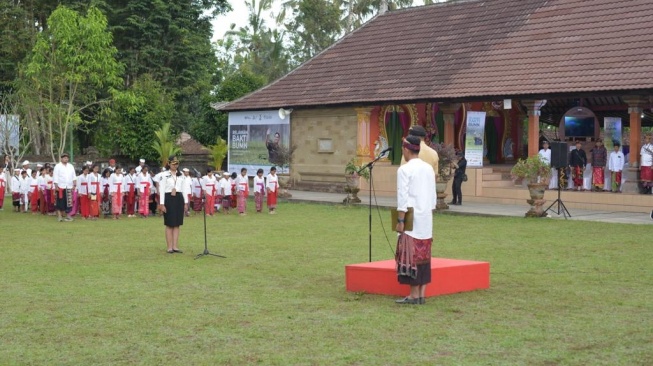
(616, 161)
(116, 183)
(647, 154)
(242, 183)
(272, 182)
(64, 176)
(93, 183)
(169, 182)
(259, 184)
(226, 186)
(82, 184)
(210, 185)
(546, 155)
(15, 183)
(142, 181)
(129, 180)
(416, 188)
(24, 184)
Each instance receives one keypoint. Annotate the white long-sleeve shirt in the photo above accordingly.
(94, 186)
(546, 155)
(242, 183)
(616, 161)
(169, 182)
(416, 188)
(142, 181)
(646, 153)
(210, 185)
(272, 182)
(82, 184)
(259, 185)
(116, 183)
(64, 175)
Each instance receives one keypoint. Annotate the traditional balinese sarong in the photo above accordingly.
(43, 203)
(15, 198)
(413, 258)
(272, 199)
(259, 193)
(51, 195)
(144, 200)
(646, 175)
(197, 203)
(106, 201)
(226, 202)
(84, 202)
(577, 174)
(234, 199)
(34, 198)
(242, 201)
(2, 192)
(64, 200)
(131, 199)
(116, 200)
(598, 176)
(616, 181)
(75, 203)
(209, 202)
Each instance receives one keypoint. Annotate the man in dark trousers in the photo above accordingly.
(458, 178)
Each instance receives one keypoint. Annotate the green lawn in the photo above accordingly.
(105, 292)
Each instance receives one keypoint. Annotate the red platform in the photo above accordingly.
(448, 276)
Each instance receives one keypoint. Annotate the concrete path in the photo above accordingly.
(484, 209)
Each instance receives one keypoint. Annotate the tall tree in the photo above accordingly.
(72, 69)
(315, 25)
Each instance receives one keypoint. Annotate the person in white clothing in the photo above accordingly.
(415, 189)
(82, 193)
(145, 184)
(242, 188)
(259, 190)
(173, 202)
(545, 154)
(646, 165)
(209, 185)
(272, 185)
(117, 191)
(64, 180)
(225, 186)
(616, 166)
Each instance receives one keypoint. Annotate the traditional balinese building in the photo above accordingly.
(431, 65)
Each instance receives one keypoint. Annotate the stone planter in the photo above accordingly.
(537, 200)
(352, 188)
(441, 203)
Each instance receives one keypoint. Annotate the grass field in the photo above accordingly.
(105, 292)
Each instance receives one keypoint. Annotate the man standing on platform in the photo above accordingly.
(415, 189)
(426, 153)
(64, 180)
(599, 156)
(646, 168)
(577, 162)
(616, 166)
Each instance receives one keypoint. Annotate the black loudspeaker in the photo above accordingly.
(559, 151)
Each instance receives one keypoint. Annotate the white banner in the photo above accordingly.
(255, 139)
(612, 132)
(475, 139)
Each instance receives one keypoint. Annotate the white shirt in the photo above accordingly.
(210, 185)
(169, 182)
(242, 183)
(82, 184)
(142, 182)
(93, 183)
(259, 184)
(226, 186)
(416, 188)
(129, 180)
(64, 175)
(273, 182)
(116, 183)
(616, 161)
(546, 155)
(647, 154)
(15, 183)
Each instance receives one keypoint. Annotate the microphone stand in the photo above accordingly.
(370, 166)
(206, 245)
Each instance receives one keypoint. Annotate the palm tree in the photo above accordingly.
(218, 153)
(165, 145)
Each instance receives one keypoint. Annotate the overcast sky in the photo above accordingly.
(239, 16)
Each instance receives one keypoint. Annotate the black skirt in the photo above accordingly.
(423, 276)
(174, 215)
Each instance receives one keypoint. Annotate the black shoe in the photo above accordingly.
(407, 300)
(176, 251)
(422, 301)
(452, 202)
(171, 252)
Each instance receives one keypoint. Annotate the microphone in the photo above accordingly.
(388, 149)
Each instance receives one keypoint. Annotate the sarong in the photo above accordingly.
(64, 200)
(197, 203)
(616, 181)
(116, 203)
(15, 198)
(242, 202)
(34, 199)
(106, 201)
(43, 204)
(144, 200)
(51, 198)
(413, 258)
(234, 200)
(75, 204)
(131, 199)
(598, 176)
(209, 206)
(272, 200)
(646, 174)
(84, 205)
(258, 200)
(577, 174)
(226, 202)
(93, 206)
(2, 196)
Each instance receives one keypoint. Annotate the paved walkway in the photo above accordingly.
(484, 209)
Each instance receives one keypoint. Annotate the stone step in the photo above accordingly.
(492, 177)
(498, 184)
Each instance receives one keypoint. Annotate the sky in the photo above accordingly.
(239, 16)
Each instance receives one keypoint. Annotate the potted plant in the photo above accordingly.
(446, 156)
(533, 171)
(353, 173)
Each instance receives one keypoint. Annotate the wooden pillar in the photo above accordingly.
(363, 133)
(449, 113)
(534, 107)
(635, 107)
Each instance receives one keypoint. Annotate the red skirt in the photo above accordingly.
(598, 176)
(646, 173)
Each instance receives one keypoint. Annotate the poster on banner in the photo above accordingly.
(475, 139)
(612, 132)
(255, 139)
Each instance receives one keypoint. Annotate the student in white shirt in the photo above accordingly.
(616, 166)
(82, 193)
(129, 183)
(15, 190)
(64, 180)
(117, 191)
(259, 190)
(94, 192)
(209, 185)
(242, 187)
(545, 154)
(225, 188)
(145, 185)
(272, 190)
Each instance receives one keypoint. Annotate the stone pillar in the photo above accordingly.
(449, 112)
(534, 107)
(363, 133)
(636, 105)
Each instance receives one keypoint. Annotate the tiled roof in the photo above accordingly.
(472, 49)
(189, 146)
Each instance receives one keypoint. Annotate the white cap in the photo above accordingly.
(226, 174)
(17, 169)
(89, 163)
(26, 162)
(39, 165)
(185, 170)
(142, 160)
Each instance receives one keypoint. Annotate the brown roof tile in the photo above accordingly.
(475, 49)
(189, 146)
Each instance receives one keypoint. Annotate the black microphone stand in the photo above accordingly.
(370, 166)
(206, 245)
